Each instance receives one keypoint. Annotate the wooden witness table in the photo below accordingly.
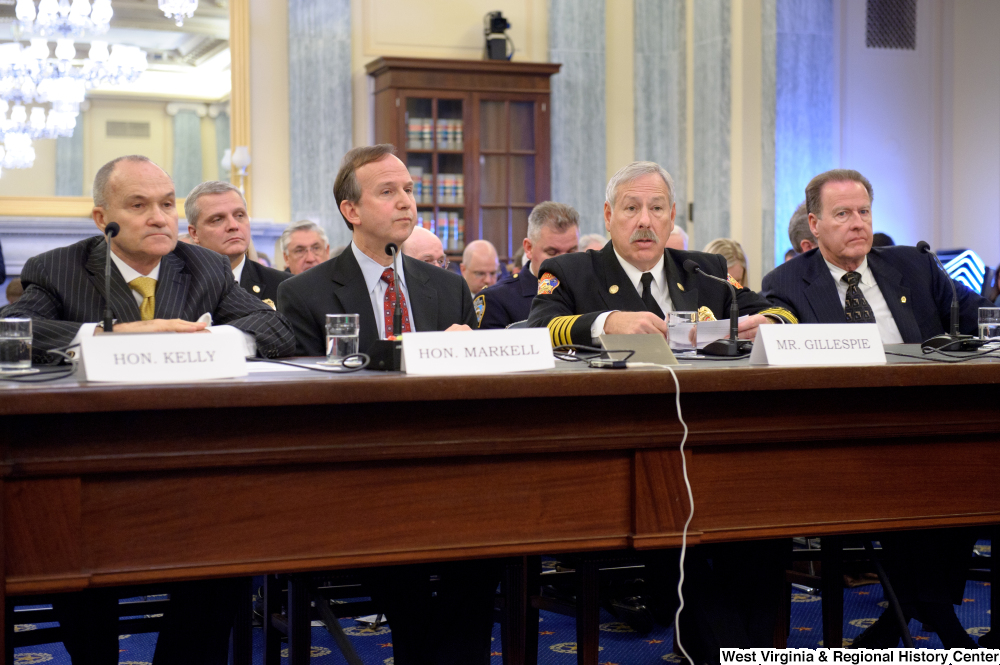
(107, 485)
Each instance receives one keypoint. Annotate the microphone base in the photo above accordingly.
(385, 355)
(728, 347)
(953, 343)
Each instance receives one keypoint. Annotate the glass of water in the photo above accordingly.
(682, 328)
(989, 324)
(15, 345)
(341, 337)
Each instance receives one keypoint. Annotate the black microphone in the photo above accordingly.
(110, 231)
(397, 312)
(954, 339)
(733, 346)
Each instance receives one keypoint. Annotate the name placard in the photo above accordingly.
(477, 352)
(161, 357)
(818, 344)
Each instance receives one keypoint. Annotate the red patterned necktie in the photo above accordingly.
(389, 303)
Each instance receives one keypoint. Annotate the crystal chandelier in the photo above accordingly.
(178, 9)
(61, 18)
(19, 152)
(28, 75)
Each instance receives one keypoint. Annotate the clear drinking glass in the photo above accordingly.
(341, 337)
(989, 324)
(682, 328)
(15, 345)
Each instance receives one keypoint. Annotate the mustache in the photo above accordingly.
(644, 234)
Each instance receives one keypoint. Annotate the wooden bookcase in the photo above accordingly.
(479, 132)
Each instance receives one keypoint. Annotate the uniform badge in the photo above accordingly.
(256, 289)
(680, 286)
(547, 283)
(705, 314)
(903, 300)
(733, 281)
(479, 304)
(268, 301)
(613, 289)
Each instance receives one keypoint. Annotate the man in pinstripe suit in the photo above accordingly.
(65, 295)
(64, 288)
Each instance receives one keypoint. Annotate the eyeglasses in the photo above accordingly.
(440, 263)
(299, 252)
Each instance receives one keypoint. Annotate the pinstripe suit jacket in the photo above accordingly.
(914, 288)
(64, 288)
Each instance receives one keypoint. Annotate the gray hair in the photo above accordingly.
(104, 176)
(636, 170)
(191, 210)
(301, 225)
(798, 228)
(557, 216)
(599, 238)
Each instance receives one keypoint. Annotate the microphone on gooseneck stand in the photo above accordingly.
(953, 339)
(110, 231)
(733, 346)
(397, 312)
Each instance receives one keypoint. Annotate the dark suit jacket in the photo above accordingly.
(261, 281)
(506, 302)
(3, 270)
(64, 288)
(586, 281)
(438, 299)
(914, 288)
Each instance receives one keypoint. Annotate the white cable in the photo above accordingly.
(687, 484)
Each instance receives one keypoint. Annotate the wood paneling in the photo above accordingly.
(42, 527)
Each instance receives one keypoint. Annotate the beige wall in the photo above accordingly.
(270, 169)
(434, 29)
(39, 180)
(619, 59)
(99, 149)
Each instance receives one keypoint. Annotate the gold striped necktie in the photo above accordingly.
(145, 287)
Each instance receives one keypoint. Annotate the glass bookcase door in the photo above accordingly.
(508, 164)
(435, 155)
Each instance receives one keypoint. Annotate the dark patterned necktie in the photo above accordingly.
(389, 303)
(647, 294)
(856, 307)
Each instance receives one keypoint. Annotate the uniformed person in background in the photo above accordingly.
(553, 229)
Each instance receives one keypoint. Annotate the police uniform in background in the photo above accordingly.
(261, 281)
(508, 301)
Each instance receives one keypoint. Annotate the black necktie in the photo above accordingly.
(647, 294)
(856, 307)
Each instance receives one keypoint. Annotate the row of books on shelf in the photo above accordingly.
(420, 134)
(450, 187)
(449, 226)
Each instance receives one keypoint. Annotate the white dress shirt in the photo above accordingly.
(372, 271)
(887, 327)
(238, 270)
(658, 287)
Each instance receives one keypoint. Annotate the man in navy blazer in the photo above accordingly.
(909, 298)
(908, 294)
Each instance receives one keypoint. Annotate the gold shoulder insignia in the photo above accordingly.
(705, 314)
(547, 283)
(479, 304)
(733, 281)
(268, 301)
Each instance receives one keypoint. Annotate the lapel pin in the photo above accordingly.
(680, 286)
(613, 289)
(903, 300)
(256, 289)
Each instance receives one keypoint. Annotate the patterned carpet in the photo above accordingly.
(557, 646)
